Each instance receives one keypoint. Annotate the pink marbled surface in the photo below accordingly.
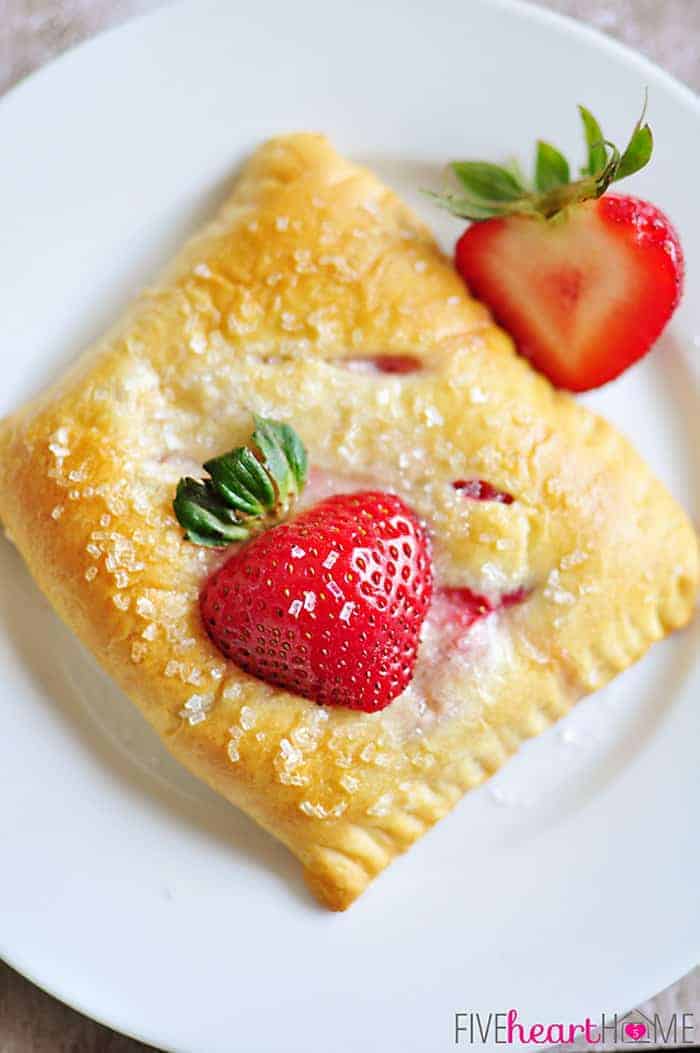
(34, 31)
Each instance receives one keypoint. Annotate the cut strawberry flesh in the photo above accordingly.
(480, 490)
(467, 607)
(512, 599)
(392, 364)
(584, 295)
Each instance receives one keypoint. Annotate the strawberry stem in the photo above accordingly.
(248, 490)
(487, 190)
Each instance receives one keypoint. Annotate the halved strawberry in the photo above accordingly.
(585, 283)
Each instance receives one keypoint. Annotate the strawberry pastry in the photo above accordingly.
(339, 541)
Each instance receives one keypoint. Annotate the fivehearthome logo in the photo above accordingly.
(634, 1028)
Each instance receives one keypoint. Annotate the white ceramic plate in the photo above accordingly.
(564, 887)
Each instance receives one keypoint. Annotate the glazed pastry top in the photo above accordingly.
(317, 298)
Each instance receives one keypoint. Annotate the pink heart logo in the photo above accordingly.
(635, 1031)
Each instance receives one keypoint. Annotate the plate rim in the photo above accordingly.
(524, 8)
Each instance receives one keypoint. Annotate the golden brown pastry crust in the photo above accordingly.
(311, 262)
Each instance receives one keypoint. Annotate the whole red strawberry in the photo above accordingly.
(329, 605)
(584, 281)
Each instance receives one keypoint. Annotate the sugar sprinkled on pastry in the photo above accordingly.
(316, 299)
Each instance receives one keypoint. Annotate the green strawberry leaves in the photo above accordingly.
(597, 152)
(491, 182)
(486, 190)
(206, 520)
(284, 456)
(241, 482)
(551, 167)
(639, 150)
(248, 489)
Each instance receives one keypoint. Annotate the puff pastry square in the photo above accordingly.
(310, 281)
